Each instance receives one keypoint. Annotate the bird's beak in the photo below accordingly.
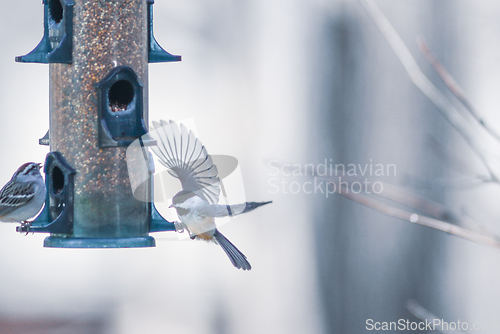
(171, 206)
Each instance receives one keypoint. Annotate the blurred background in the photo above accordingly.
(287, 82)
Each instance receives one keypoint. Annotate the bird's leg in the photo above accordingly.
(191, 235)
(180, 227)
(25, 225)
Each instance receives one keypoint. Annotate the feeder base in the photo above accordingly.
(57, 242)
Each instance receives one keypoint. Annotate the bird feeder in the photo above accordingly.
(98, 53)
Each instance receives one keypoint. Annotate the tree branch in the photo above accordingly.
(413, 217)
(421, 313)
(451, 114)
(453, 86)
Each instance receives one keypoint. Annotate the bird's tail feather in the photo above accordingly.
(238, 259)
(254, 205)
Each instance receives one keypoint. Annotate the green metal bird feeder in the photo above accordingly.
(98, 53)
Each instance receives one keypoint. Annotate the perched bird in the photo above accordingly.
(196, 205)
(23, 196)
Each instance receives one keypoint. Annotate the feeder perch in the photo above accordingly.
(156, 54)
(44, 140)
(98, 53)
(57, 42)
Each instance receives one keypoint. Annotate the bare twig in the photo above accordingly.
(430, 208)
(406, 198)
(420, 204)
(421, 313)
(413, 217)
(451, 114)
(453, 86)
(413, 201)
(455, 163)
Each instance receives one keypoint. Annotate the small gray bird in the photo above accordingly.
(196, 205)
(23, 196)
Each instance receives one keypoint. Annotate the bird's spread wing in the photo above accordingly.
(186, 159)
(14, 195)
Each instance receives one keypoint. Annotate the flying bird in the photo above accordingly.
(197, 203)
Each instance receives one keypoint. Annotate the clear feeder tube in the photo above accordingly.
(107, 34)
